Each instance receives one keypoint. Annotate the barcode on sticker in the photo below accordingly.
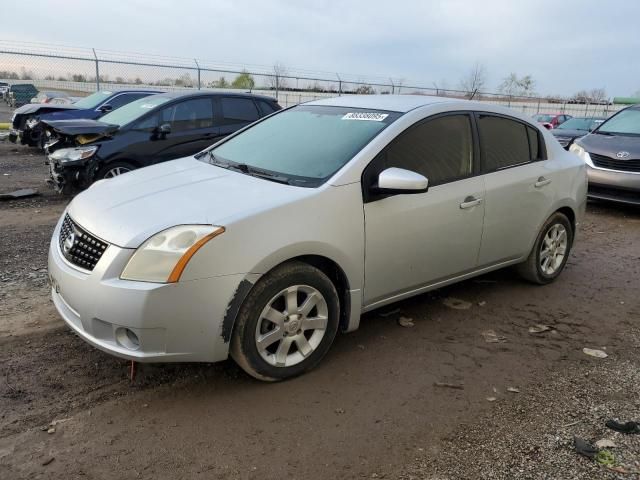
(371, 116)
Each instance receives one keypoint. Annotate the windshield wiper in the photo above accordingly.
(247, 169)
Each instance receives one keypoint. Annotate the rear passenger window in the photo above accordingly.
(440, 149)
(238, 110)
(503, 142)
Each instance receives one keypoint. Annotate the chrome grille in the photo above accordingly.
(630, 165)
(78, 246)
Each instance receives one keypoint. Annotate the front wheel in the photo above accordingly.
(287, 323)
(114, 169)
(550, 251)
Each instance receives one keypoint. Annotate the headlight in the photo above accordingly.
(68, 155)
(580, 152)
(164, 256)
(32, 122)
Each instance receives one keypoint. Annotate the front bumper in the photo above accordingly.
(179, 322)
(613, 185)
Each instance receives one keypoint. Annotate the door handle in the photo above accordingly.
(542, 182)
(470, 202)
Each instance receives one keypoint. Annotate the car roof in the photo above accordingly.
(201, 93)
(392, 103)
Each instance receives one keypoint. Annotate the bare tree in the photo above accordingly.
(598, 95)
(277, 80)
(474, 80)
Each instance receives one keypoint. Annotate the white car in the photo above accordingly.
(268, 243)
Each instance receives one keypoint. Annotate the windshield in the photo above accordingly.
(93, 100)
(304, 145)
(579, 124)
(627, 122)
(134, 110)
(543, 118)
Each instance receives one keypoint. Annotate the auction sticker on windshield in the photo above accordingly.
(371, 116)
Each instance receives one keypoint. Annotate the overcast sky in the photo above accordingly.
(567, 45)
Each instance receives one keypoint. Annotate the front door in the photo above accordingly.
(418, 239)
(192, 129)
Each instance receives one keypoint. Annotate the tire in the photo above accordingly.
(107, 171)
(550, 251)
(290, 344)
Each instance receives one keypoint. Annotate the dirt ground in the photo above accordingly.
(374, 408)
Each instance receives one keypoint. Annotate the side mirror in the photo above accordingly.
(105, 108)
(164, 129)
(398, 180)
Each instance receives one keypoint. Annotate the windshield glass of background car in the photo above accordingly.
(543, 118)
(576, 124)
(626, 122)
(93, 100)
(134, 110)
(307, 143)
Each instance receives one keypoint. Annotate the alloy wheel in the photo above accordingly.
(114, 172)
(291, 326)
(553, 249)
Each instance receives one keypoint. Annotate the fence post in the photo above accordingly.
(277, 85)
(198, 67)
(97, 70)
(586, 108)
(509, 102)
(339, 85)
(538, 105)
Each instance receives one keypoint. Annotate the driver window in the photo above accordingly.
(440, 149)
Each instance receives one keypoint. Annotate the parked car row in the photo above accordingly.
(575, 127)
(27, 121)
(150, 130)
(612, 155)
(551, 120)
(18, 94)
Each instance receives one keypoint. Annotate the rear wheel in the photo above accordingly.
(550, 251)
(287, 323)
(114, 169)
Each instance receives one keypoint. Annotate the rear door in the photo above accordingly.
(418, 239)
(236, 113)
(519, 186)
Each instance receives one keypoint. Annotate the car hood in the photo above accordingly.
(31, 108)
(568, 133)
(128, 209)
(609, 145)
(81, 126)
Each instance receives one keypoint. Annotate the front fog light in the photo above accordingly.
(163, 257)
(127, 338)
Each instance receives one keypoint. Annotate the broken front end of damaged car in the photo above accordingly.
(72, 152)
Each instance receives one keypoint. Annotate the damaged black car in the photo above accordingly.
(145, 132)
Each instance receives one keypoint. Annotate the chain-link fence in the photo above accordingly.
(80, 71)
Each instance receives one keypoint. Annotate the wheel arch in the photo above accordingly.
(325, 264)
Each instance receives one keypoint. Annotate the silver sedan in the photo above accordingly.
(269, 242)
